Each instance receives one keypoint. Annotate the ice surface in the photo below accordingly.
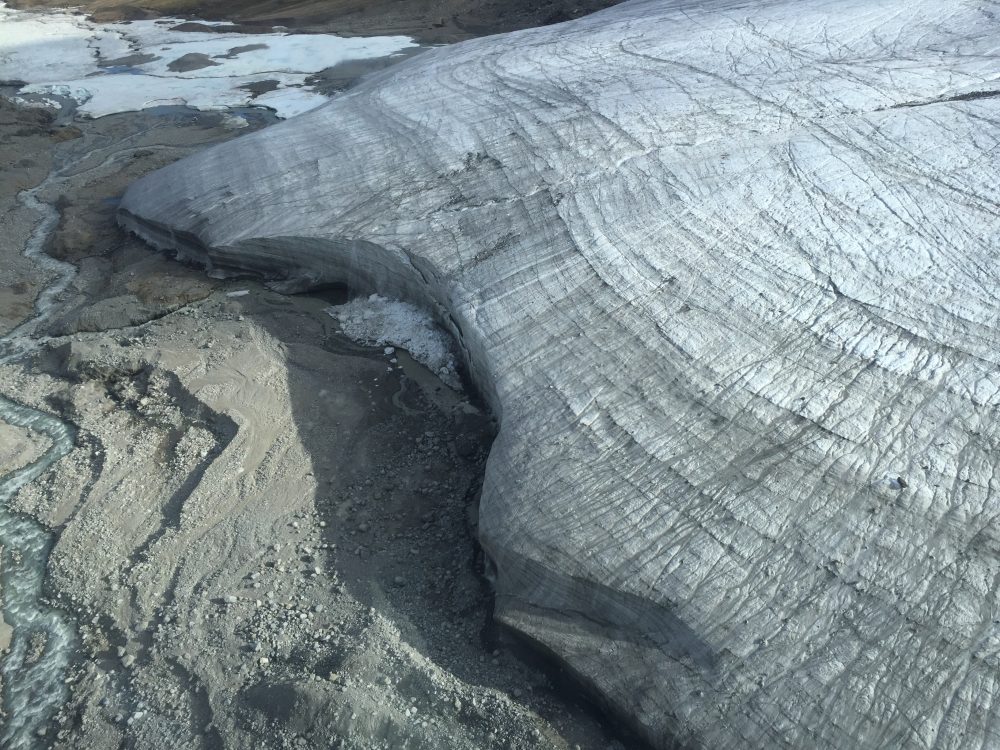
(727, 272)
(60, 52)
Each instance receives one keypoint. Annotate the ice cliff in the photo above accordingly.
(728, 274)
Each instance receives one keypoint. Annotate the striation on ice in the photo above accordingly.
(727, 273)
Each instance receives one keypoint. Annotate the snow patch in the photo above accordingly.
(123, 67)
(378, 321)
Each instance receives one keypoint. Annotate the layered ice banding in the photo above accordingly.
(121, 67)
(720, 269)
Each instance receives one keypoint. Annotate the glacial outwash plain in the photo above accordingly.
(712, 441)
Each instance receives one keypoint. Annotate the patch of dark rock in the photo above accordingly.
(191, 61)
(261, 87)
(230, 54)
(128, 61)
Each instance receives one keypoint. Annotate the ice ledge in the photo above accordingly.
(725, 290)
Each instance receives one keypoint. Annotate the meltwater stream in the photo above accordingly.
(43, 637)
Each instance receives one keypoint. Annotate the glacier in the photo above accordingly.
(726, 273)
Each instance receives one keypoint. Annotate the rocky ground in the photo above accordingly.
(265, 531)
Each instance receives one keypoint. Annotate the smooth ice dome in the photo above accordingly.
(727, 275)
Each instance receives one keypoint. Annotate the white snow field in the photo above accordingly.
(727, 273)
(64, 54)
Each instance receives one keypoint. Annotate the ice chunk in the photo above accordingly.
(378, 321)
